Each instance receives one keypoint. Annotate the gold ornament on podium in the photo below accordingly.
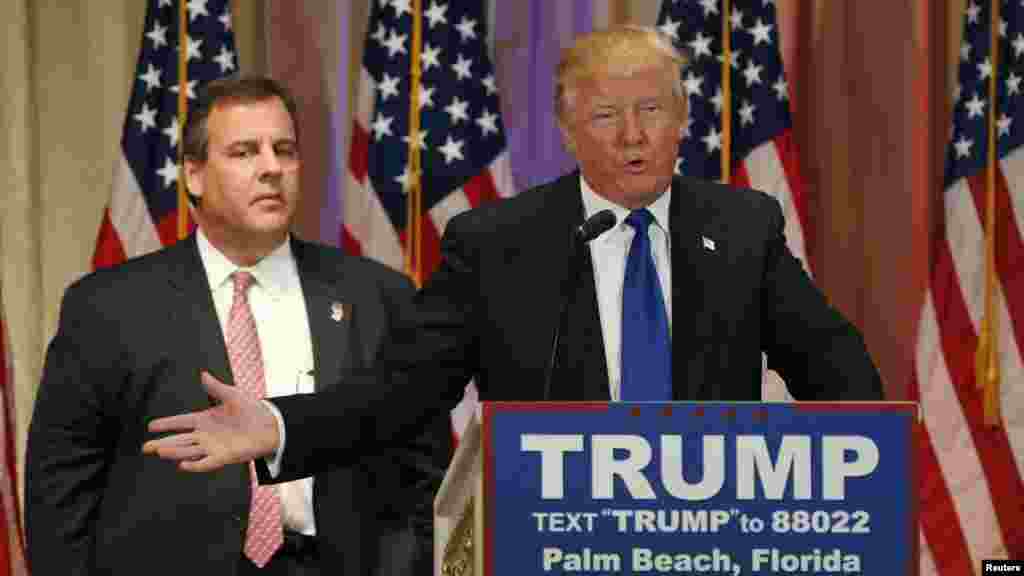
(458, 552)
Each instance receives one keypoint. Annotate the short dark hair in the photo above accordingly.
(195, 139)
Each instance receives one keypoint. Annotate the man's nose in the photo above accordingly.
(270, 164)
(633, 132)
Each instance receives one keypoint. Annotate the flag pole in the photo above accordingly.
(986, 359)
(414, 201)
(182, 113)
(726, 160)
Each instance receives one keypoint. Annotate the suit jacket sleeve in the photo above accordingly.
(405, 506)
(819, 354)
(403, 481)
(421, 371)
(406, 546)
(69, 444)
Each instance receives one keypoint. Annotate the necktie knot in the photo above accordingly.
(243, 280)
(640, 219)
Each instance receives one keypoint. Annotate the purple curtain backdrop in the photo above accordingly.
(529, 37)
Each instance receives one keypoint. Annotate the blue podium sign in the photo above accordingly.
(708, 488)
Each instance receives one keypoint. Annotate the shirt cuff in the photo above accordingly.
(274, 461)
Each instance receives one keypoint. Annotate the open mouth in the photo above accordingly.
(636, 165)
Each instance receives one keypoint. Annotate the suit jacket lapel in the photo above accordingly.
(691, 271)
(188, 277)
(582, 372)
(588, 334)
(331, 316)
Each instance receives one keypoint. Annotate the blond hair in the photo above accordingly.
(619, 50)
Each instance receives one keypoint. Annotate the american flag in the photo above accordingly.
(972, 497)
(143, 212)
(12, 547)
(763, 152)
(462, 140)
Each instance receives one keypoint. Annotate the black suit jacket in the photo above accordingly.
(130, 345)
(490, 312)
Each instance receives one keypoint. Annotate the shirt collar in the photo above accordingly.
(594, 203)
(273, 272)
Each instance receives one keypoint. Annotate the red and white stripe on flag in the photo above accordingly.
(462, 144)
(12, 546)
(972, 506)
(972, 494)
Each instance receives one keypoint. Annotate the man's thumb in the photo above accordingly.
(214, 387)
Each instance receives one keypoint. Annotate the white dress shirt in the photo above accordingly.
(279, 309)
(608, 253)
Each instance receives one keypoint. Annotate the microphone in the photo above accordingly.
(593, 227)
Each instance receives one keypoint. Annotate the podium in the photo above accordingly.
(681, 488)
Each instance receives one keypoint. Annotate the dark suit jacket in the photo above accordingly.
(129, 347)
(492, 308)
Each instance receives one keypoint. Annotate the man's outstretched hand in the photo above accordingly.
(238, 429)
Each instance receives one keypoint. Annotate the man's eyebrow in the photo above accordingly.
(246, 142)
(252, 142)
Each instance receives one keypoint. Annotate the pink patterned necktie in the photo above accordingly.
(265, 534)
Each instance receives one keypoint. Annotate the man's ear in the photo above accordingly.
(194, 177)
(567, 137)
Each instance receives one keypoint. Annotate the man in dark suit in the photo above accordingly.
(678, 300)
(244, 300)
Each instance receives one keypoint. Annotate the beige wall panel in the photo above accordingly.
(91, 54)
(20, 273)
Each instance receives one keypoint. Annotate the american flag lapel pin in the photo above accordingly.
(708, 243)
(337, 311)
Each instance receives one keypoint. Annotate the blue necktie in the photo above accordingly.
(646, 347)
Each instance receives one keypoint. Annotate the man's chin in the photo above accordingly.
(641, 193)
(268, 232)
(270, 221)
